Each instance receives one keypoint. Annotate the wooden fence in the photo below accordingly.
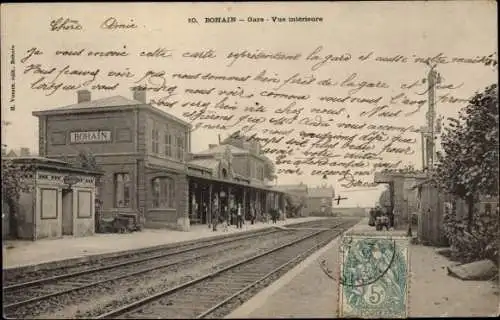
(433, 205)
(431, 213)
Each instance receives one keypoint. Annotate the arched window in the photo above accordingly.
(163, 189)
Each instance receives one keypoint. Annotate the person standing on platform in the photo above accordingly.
(231, 215)
(274, 213)
(239, 218)
(253, 214)
(215, 215)
(392, 213)
(371, 220)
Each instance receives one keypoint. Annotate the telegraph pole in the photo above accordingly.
(433, 78)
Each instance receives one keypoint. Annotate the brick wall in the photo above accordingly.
(314, 206)
(182, 198)
(241, 165)
(129, 151)
(42, 136)
(246, 165)
(121, 125)
(163, 125)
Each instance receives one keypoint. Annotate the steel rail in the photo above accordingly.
(131, 274)
(269, 274)
(130, 262)
(138, 260)
(141, 302)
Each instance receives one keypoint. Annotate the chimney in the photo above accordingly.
(211, 146)
(83, 96)
(139, 94)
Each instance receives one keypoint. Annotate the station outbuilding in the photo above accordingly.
(58, 200)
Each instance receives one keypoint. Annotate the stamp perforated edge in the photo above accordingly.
(381, 236)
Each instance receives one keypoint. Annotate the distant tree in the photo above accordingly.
(295, 204)
(86, 160)
(468, 166)
(15, 181)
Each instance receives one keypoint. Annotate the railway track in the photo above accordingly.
(14, 279)
(214, 294)
(326, 223)
(39, 296)
(33, 298)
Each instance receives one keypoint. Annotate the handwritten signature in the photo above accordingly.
(112, 23)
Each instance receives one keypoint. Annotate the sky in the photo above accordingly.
(461, 29)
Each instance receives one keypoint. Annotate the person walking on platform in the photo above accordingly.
(239, 218)
(253, 214)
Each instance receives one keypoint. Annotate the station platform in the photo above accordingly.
(307, 292)
(18, 253)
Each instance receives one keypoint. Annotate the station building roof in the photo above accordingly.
(113, 103)
(210, 164)
(49, 163)
(221, 148)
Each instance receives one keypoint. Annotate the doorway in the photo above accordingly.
(67, 212)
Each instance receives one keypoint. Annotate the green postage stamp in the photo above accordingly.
(374, 276)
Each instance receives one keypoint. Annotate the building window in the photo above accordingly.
(168, 144)
(180, 148)
(155, 137)
(122, 190)
(261, 173)
(163, 192)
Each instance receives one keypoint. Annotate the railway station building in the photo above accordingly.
(320, 201)
(147, 164)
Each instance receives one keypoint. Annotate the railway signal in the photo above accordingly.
(339, 198)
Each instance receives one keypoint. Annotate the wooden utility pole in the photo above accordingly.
(433, 78)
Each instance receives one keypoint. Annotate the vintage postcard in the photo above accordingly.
(227, 159)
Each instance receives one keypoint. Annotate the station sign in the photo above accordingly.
(90, 136)
(71, 180)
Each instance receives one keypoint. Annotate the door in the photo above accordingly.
(67, 212)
